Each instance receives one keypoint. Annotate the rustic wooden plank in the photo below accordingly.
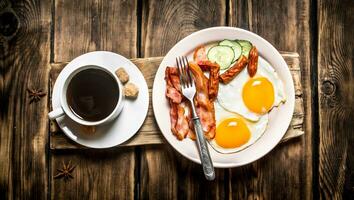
(336, 99)
(99, 174)
(164, 173)
(167, 22)
(79, 27)
(94, 25)
(24, 58)
(286, 172)
(149, 132)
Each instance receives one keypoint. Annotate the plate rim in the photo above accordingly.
(225, 28)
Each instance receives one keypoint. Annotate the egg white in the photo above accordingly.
(230, 95)
(256, 129)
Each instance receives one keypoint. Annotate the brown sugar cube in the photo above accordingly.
(131, 90)
(122, 75)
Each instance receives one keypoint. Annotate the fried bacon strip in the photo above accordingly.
(204, 107)
(180, 111)
(173, 88)
(179, 122)
(230, 74)
(214, 70)
(188, 115)
(173, 118)
(182, 125)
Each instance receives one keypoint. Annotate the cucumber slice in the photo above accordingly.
(223, 55)
(235, 46)
(246, 47)
(229, 43)
(237, 51)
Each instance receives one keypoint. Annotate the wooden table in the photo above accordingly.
(34, 34)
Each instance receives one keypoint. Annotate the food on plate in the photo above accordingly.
(222, 55)
(180, 111)
(252, 97)
(213, 69)
(131, 90)
(236, 47)
(173, 88)
(204, 107)
(225, 53)
(200, 54)
(233, 132)
(233, 103)
(246, 46)
(232, 72)
(253, 62)
(122, 75)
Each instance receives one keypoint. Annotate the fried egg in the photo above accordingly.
(252, 97)
(234, 132)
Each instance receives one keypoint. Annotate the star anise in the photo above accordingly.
(35, 95)
(65, 172)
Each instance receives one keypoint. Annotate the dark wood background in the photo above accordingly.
(34, 34)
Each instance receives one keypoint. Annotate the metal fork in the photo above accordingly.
(188, 90)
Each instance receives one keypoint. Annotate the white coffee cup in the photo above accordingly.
(64, 108)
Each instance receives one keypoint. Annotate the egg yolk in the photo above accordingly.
(232, 132)
(258, 95)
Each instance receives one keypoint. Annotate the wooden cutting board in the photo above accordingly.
(149, 133)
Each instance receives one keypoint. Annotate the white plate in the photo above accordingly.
(128, 121)
(279, 117)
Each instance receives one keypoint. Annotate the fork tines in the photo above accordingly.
(184, 73)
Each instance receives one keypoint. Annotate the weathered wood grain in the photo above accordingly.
(336, 98)
(80, 27)
(164, 23)
(149, 132)
(83, 26)
(24, 58)
(164, 174)
(99, 174)
(286, 172)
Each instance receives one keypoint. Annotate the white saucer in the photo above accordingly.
(128, 121)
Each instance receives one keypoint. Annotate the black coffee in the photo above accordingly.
(92, 94)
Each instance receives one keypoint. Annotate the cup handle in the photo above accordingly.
(56, 113)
